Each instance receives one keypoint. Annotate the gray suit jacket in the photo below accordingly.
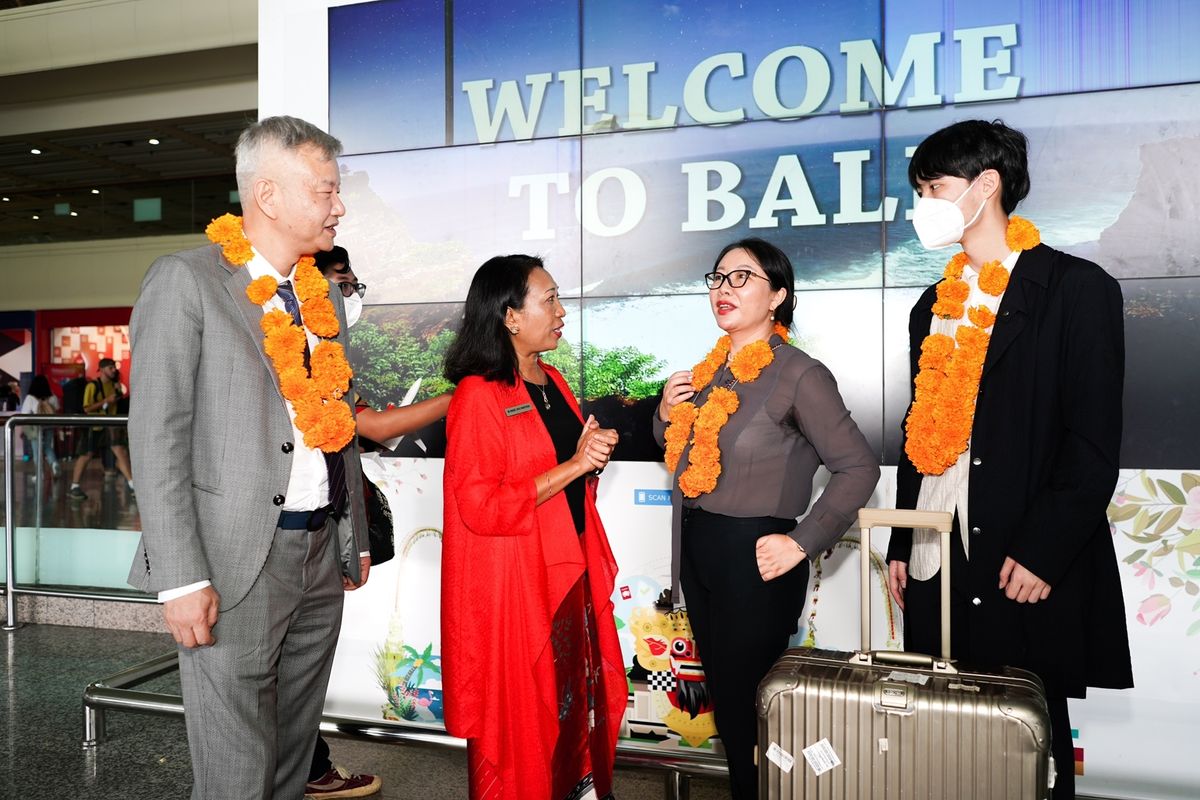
(209, 432)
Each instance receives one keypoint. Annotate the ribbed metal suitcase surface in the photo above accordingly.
(875, 725)
(899, 732)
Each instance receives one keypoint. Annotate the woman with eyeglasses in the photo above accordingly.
(744, 432)
(531, 665)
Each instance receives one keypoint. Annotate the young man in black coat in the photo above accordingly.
(1017, 359)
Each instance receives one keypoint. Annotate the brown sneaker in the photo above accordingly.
(338, 782)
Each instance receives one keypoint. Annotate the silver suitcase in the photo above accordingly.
(886, 725)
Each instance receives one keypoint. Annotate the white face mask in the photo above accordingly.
(939, 223)
(354, 307)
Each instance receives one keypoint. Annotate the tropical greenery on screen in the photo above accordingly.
(389, 357)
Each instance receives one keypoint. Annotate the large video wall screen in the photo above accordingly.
(627, 142)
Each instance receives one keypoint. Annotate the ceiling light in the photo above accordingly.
(95, 191)
(35, 216)
(5, 199)
(35, 151)
(152, 141)
(74, 213)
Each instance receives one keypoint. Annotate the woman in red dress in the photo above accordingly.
(533, 674)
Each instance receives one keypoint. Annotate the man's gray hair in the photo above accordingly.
(286, 133)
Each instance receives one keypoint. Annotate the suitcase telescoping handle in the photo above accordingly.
(940, 521)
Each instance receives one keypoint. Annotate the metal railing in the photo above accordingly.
(115, 693)
(11, 589)
(118, 693)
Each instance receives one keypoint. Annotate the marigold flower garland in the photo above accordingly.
(314, 392)
(706, 421)
(949, 369)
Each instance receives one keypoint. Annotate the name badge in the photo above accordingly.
(521, 409)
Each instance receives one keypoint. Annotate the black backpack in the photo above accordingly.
(379, 523)
(73, 395)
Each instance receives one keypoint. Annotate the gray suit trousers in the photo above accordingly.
(253, 700)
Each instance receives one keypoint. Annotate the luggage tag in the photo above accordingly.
(821, 757)
(780, 757)
(908, 677)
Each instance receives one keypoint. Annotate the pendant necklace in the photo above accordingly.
(541, 388)
(545, 398)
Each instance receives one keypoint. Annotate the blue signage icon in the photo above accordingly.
(652, 497)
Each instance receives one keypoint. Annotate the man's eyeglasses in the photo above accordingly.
(349, 289)
(736, 278)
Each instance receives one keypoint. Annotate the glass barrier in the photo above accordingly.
(69, 504)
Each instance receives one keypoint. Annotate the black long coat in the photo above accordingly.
(1044, 447)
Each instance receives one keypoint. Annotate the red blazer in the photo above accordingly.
(507, 564)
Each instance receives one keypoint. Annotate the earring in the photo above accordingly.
(513, 330)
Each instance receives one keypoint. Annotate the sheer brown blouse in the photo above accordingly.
(789, 421)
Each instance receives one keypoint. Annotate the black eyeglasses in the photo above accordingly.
(737, 278)
(349, 289)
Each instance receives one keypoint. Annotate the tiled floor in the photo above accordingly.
(44, 669)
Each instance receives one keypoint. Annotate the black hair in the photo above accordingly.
(326, 259)
(39, 387)
(483, 345)
(777, 266)
(965, 149)
(107, 362)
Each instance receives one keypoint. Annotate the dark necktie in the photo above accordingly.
(334, 463)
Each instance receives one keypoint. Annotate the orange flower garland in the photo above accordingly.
(314, 392)
(704, 463)
(993, 278)
(1021, 234)
(750, 361)
(952, 291)
(682, 417)
(261, 289)
(939, 424)
(226, 230)
(706, 421)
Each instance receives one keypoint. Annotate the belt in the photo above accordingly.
(305, 520)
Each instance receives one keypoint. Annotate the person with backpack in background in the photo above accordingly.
(40, 400)
(100, 398)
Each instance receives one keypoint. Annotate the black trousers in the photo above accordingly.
(922, 634)
(741, 624)
(320, 762)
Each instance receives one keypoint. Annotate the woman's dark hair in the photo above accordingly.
(39, 387)
(483, 345)
(777, 266)
(965, 149)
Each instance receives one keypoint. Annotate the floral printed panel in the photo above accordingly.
(1155, 517)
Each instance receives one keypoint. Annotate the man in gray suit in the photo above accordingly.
(249, 536)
